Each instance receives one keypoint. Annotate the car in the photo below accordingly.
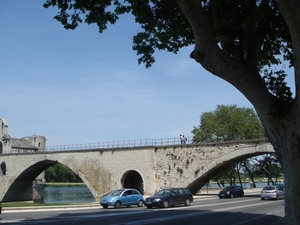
(231, 191)
(122, 197)
(167, 197)
(272, 192)
(280, 186)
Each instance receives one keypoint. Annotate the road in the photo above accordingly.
(205, 210)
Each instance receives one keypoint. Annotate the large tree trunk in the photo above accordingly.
(281, 119)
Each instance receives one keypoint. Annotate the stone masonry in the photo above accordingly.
(148, 168)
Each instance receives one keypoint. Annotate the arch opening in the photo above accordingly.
(198, 183)
(132, 179)
(3, 168)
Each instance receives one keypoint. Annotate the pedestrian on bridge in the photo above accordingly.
(181, 137)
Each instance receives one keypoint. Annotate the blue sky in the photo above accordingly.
(80, 86)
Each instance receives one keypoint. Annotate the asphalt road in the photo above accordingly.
(205, 210)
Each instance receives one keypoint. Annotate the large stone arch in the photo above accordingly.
(213, 168)
(133, 179)
(20, 188)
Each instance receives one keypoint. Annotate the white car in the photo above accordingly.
(272, 192)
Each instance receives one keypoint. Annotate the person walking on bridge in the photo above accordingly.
(181, 137)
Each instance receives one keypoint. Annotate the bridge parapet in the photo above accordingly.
(119, 144)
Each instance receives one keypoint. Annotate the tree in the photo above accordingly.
(270, 167)
(61, 173)
(236, 40)
(228, 123)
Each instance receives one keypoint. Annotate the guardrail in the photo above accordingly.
(120, 144)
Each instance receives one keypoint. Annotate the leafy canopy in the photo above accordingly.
(228, 123)
(253, 32)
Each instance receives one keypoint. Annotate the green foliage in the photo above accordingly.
(61, 173)
(228, 123)
(275, 82)
(179, 170)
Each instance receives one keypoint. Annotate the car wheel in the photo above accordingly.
(165, 204)
(277, 197)
(262, 198)
(117, 204)
(105, 206)
(140, 203)
(187, 202)
(149, 206)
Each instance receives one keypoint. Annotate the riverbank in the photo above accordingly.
(64, 184)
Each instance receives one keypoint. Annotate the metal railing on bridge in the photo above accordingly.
(119, 144)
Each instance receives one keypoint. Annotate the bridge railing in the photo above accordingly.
(119, 144)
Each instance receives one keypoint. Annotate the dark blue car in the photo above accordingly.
(232, 191)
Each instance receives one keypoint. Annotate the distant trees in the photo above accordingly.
(61, 173)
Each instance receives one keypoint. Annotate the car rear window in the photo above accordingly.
(269, 188)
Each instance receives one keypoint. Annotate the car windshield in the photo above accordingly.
(116, 192)
(163, 192)
(228, 188)
(269, 188)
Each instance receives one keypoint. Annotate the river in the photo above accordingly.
(55, 194)
(67, 194)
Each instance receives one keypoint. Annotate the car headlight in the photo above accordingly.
(157, 199)
(228, 192)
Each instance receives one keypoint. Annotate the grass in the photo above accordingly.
(25, 204)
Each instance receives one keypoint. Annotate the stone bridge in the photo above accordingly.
(146, 168)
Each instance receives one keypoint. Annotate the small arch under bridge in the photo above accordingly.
(146, 168)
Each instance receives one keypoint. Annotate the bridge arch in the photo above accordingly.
(213, 168)
(132, 179)
(82, 176)
(20, 186)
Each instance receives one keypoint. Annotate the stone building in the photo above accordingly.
(26, 144)
(17, 145)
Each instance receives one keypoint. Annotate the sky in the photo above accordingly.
(80, 86)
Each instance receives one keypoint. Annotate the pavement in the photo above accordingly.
(203, 193)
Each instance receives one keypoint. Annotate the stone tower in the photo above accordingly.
(26, 144)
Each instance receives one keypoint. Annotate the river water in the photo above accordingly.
(67, 194)
(81, 194)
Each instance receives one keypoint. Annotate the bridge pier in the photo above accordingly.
(38, 190)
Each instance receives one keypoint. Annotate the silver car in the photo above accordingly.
(272, 191)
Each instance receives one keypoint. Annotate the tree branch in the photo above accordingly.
(290, 11)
